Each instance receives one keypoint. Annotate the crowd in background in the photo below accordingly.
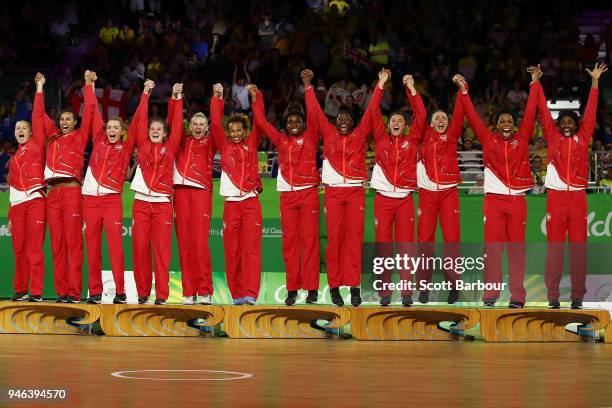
(344, 42)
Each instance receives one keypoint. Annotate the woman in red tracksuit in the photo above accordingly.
(567, 175)
(102, 199)
(193, 207)
(63, 174)
(394, 179)
(152, 210)
(27, 218)
(507, 178)
(240, 187)
(438, 177)
(297, 181)
(344, 172)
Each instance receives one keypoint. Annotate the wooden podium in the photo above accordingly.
(400, 323)
(281, 322)
(542, 325)
(47, 318)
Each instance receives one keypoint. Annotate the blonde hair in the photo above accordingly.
(120, 120)
(196, 116)
(26, 122)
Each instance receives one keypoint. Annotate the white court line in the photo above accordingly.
(240, 376)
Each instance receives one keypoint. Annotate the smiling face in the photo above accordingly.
(198, 126)
(67, 122)
(114, 130)
(23, 132)
(397, 124)
(505, 123)
(344, 123)
(295, 125)
(236, 131)
(439, 122)
(157, 131)
(567, 126)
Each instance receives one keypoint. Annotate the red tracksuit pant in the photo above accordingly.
(345, 218)
(300, 226)
(192, 211)
(566, 215)
(505, 217)
(104, 212)
(443, 204)
(394, 222)
(28, 224)
(242, 245)
(151, 226)
(65, 219)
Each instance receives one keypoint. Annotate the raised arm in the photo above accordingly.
(137, 132)
(176, 119)
(316, 119)
(88, 106)
(587, 125)
(378, 128)
(172, 106)
(480, 130)
(548, 124)
(97, 124)
(259, 116)
(526, 127)
(41, 122)
(365, 125)
(216, 117)
(417, 128)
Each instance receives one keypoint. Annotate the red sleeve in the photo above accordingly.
(480, 130)
(137, 132)
(526, 128)
(254, 137)
(378, 127)
(455, 128)
(365, 126)
(176, 121)
(259, 120)
(548, 124)
(41, 122)
(419, 123)
(589, 118)
(85, 129)
(216, 122)
(315, 114)
(97, 125)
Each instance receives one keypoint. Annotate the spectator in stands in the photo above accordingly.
(379, 49)
(517, 96)
(478, 188)
(240, 95)
(470, 161)
(540, 149)
(108, 34)
(538, 171)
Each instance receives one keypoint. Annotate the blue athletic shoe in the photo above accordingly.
(239, 301)
(249, 300)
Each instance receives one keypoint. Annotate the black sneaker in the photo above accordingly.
(407, 301)
(576, 304)
(554, 304)
(489, 302)
(19, 297)
(355, 297)
(291, 297)
(453, 296)
(142, 300)
(120, 299)
(72, 299)
(424, 297)
(385, 300)
(95, 299)
(335, 297)
(516, 305)
(313, 296)
(35, 298)
(160, 301)
(61, 299)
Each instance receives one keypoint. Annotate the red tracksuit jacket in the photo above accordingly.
(570, 155)
(507, 159)
(297, 155)
(156, 160)
(396, 155)
(194, 161)
(64, 151)
(238, 160)
(109, 161)
(345, 153)
(439, 151)
(26, 167)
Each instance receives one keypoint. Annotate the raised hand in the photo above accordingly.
(408, 81)
(252, 90)
(40, 80)
(597, 71)
(177, 90)
(384, 75)
(218, 90)
(148, 86)
(88, 77)
(536, 72)
(460, 81)
(306, 76)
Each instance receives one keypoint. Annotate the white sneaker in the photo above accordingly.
(189, 300)
(206, 300)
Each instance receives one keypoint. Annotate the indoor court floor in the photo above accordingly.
(112, 372)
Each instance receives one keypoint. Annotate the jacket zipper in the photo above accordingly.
(154, 167)
(290, 167)
(344, 159)
(242, 172)
(188, 160)
(103, 166)
(507, 169)
(435, 158)
(569, 151)
(395, 167)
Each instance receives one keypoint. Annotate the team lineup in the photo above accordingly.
(173, 185)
